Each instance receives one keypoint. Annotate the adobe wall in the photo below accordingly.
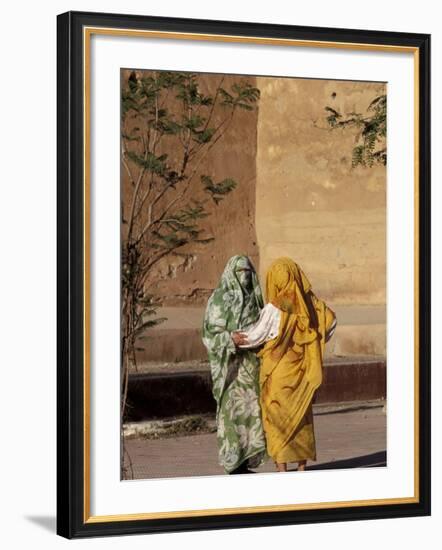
(311, 204)
(184, 281)
(297, 195)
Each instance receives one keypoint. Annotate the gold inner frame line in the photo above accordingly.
(87, 33)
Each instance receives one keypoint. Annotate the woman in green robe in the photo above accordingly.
(235, 304)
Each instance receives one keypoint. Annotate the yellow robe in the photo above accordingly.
(291, 363)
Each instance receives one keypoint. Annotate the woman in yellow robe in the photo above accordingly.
(291, 362)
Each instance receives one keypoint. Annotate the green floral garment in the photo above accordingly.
(233, 305)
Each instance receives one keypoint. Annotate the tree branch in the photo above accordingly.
(126, 166)
(135, 194)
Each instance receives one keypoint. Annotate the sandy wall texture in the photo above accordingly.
(189, 280)
(311, 204)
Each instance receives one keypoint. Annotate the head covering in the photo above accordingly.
(234, 304)
(284, 279)
(230, 307)
(287, 288)
(240, 262)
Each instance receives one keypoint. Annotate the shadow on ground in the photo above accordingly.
(374, 460)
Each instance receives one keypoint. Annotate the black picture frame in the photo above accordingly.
(71, 518)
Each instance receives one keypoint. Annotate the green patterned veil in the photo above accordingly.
(230, 307)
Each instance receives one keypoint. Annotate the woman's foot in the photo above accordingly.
(242, 469)
(281, 466)
(301, 465)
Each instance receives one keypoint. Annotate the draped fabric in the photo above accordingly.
(266, 328)
(291, 363)
(234, 305)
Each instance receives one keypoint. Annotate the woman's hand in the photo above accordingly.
(239, 338)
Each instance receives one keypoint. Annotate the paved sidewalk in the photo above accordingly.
(352, 439)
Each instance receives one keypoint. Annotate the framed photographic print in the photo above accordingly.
(243, 274)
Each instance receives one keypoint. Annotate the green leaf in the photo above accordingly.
(218, 190)
(194, 122)
(372, 129)
(204, 136)
(170, 127)
(151, 162)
